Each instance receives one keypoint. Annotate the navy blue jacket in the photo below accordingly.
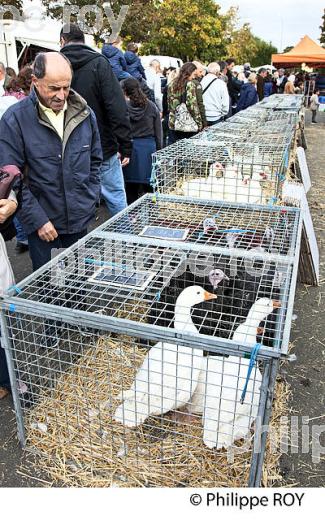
(134, 65)
(268, 88)
(61, 178)
(115, 57)
(248, 96)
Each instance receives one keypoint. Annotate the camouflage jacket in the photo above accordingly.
(193, 102)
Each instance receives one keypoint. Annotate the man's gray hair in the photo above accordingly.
(214, 68)
(154, 62)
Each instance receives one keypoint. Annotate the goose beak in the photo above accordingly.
(209, 296)
(276, 304)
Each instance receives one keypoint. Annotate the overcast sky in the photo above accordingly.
(283, 22)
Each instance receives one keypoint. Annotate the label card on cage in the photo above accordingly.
(117, 276)
(305, 176)
(164, 233)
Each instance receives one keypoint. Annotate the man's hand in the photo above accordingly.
(7, 208)
(47, 232)
(124, 160)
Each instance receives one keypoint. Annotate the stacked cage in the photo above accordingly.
(251, 171)
(291, 102)
(146, 354)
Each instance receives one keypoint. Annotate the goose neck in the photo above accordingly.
(183, 319)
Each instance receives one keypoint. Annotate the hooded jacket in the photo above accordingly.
(248, 96)
(146, 122)
(134, 65)
(61, 176)
(94, 80)
(115, 57)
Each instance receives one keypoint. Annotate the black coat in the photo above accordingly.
(260, 87)
(95, 81)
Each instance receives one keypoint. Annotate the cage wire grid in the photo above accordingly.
(102, 306)
(75, 282)
(62, 302)
(213, 223)
(251, 172)
(77, 408)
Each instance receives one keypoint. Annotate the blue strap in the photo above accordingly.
(273, 201)
(249, 371)
(281, 176)
(15, 288)
(236, 230)
(157, 296)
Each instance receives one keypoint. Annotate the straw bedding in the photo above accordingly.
(77, 443)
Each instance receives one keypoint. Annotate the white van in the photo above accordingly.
(165, 61)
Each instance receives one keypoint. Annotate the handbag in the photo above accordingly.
(184, 122)
(9, 175)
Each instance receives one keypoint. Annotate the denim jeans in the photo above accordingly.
(21, 235)
(112, 185)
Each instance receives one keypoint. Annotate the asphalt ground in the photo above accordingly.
(306, 376)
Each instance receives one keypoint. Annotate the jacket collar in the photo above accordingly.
(74, 100)
(77, 111)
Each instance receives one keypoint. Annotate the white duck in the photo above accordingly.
(222, 381)
(169, 373)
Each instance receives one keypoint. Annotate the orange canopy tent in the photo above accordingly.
(306, 51)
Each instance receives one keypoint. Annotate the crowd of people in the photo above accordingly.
(80, 126)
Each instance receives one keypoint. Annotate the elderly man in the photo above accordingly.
(281, 81)
(153, 75)
(4, 79)
(215, 95)
(52, 136)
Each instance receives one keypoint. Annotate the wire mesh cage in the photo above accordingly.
(250, 172)
(292, 102)
(213, 223)
(128, 361)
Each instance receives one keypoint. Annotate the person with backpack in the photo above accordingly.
(146, 132)
(215, 95)
(186, 117)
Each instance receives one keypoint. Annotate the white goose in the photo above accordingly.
(169, 373)
(222, 381)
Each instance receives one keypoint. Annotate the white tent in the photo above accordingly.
(43, 33)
